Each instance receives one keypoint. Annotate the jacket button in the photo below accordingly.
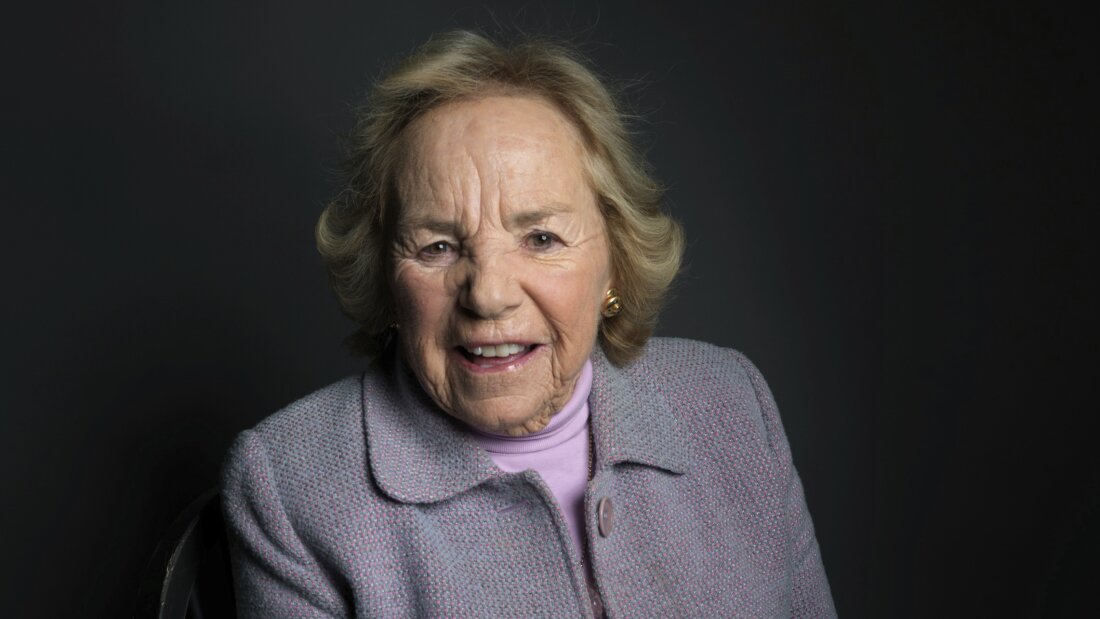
(605, 516)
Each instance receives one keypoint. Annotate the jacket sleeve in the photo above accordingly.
(810, 594)
(274, 574)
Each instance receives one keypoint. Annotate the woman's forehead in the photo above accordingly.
(499, 132)
(516, 156)
(495, 117)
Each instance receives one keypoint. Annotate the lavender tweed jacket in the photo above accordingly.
(355, 501)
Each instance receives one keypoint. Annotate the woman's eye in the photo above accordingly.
(542, 240)
(437, 250)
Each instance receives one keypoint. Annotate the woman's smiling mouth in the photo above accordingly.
(495, 357)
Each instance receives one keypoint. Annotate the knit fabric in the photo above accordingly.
(558, 453)
(358, 502)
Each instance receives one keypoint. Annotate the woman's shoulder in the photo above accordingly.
(334, 405)
(711, 386)
(697, 363)
(311, 437)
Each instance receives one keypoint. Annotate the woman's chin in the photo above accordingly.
(506, 421)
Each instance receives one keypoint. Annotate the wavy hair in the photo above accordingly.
(355, 230)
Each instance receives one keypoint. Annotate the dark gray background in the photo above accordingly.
(889, 211)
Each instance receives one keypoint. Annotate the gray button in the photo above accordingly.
(605, 516)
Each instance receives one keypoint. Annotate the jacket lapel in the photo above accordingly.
(631, 419)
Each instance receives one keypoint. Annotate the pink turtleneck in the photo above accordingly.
(558, 452)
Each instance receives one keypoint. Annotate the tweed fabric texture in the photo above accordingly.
(358, 502)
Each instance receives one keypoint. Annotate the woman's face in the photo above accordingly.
(501, 260)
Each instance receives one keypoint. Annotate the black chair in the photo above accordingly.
(189, 576)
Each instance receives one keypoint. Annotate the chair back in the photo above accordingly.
(189, 576)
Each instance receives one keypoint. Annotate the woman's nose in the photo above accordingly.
(490, 290)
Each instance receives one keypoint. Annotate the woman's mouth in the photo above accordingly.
(495, 356)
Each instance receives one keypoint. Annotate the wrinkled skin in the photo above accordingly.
(499, 240)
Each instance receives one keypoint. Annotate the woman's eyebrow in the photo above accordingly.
(523, 219)
(430, 224)
(520, 219)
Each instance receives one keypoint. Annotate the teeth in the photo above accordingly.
(502, 350)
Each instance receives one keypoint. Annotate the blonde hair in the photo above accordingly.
(355, 229)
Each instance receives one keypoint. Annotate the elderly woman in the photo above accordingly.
(521, 446)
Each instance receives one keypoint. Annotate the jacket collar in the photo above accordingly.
(631, 419)
(418, 454)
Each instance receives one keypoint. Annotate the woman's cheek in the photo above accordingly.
(416, 288)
